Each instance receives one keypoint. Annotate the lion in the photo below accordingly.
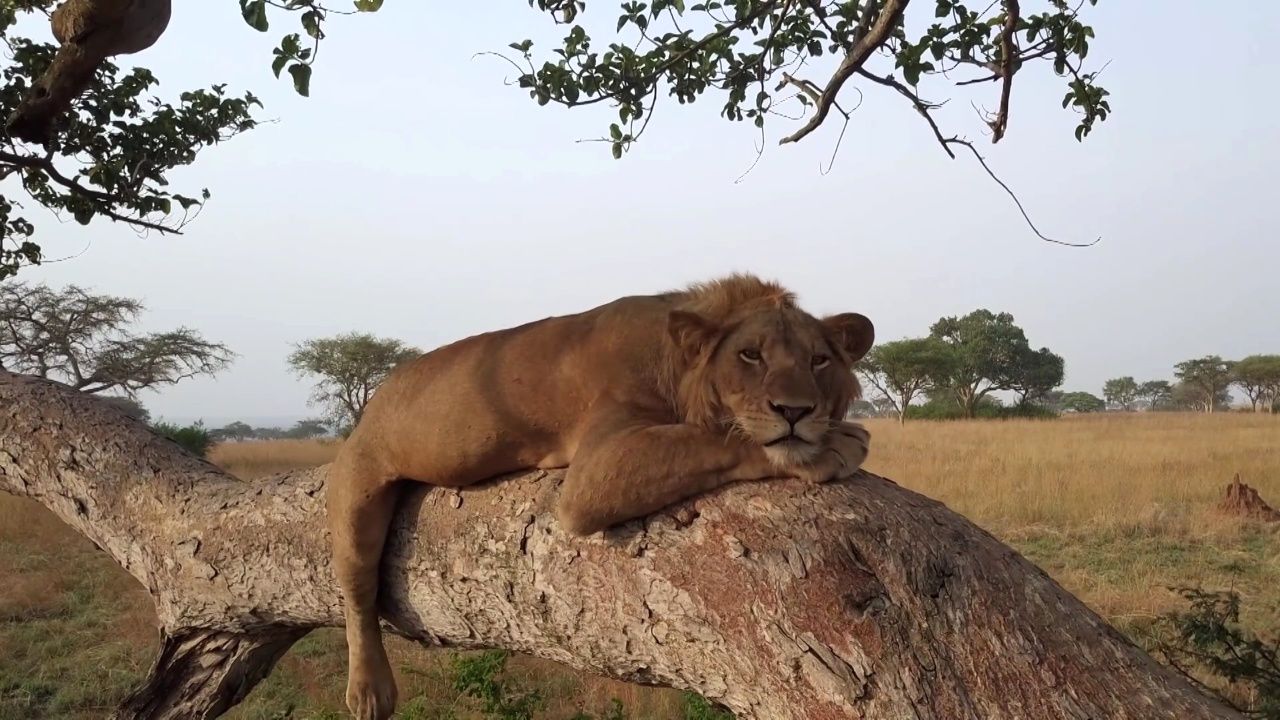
(647, 400)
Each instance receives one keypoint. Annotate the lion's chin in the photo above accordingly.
(791, 452)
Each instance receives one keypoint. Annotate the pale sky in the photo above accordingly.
(416, 196)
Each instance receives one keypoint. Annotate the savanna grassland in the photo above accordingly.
(1117, 507)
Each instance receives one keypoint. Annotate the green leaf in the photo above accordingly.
(255, 13)
(278, 64)
(617, 151)
(368, 5)
(311, 23)
(301, 78)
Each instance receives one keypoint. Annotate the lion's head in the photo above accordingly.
(754, 363)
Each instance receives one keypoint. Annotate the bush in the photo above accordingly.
(988, 409)
(195, 439)
(1208, 637)
(479, 678)
(697, 707)
(476, 677)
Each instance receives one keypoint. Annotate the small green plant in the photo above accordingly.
(697, 707)
(478, 677)
(193, 438)
(1208, 637)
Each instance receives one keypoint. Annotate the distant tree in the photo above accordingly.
(1185, 396)
(901, 370)
(306, 429)
(1051, 400)
(85, 341)
(128, 406)
(985, 348)
(1206, 381)
(862, 409)
(882, 406)
(1082, 402)
(1035, 373)
(269, 433)
(1121, 392)
(1258, 376)
(235, 431)
(1156, 393)
(348, 369)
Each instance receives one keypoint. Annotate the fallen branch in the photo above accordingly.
(784, 601)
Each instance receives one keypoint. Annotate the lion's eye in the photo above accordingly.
(820, 361)
(751, 356)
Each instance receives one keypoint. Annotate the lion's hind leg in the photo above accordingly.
(361, 503)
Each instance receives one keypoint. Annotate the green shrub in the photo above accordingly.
(988, 409)
(1208, 637)
(697, 707)
(194, 438)
(477, 677)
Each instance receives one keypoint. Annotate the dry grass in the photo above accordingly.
(1120, 472)
(1115, 507)
(248, 460)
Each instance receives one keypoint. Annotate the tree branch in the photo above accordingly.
(1008, 58)
(102, 201)
(866, 43)
(782, 600)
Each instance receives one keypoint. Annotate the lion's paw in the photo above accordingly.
(371, 692)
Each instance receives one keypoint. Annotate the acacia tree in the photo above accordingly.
(85, 340)
(233, 431)
(1156, 393)
(1035, 373)
(1258, 376)
(1206, 381)
(93, 142)
(984, 347)
(306, 429)
(1121, 392)
(901, 370)
(1082, 402)
(348, 369)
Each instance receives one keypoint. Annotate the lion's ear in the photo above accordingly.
(852, 332)
(690, 331)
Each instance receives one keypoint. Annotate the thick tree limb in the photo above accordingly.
(90, 31)
(782, 600)
(1008, 64)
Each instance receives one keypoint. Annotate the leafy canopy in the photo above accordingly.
(111, 155)
(347, 369)
(801, 60)
(781, 58)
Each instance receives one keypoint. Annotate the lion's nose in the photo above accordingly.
(792, 413)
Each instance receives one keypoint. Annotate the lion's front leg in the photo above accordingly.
(627, 468)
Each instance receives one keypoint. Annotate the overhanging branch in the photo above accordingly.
(867, 42)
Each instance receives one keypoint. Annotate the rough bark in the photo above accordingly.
(783, 601)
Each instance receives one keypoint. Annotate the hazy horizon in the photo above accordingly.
(463, 207)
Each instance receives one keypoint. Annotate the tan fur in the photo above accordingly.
(648, 400)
